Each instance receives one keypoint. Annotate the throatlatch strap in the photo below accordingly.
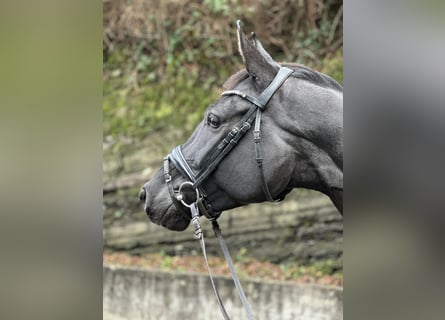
(259, 156)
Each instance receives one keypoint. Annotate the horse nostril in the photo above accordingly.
(142, 194)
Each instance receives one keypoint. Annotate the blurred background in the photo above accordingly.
(164, 63)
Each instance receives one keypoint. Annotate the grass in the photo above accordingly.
(324, 273)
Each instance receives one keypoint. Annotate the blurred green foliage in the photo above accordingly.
(135, 112)
(334, 66)
(164, 62)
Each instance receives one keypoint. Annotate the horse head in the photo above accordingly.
(301, 142)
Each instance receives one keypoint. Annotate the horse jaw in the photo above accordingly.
(318, 138)
(336, 196)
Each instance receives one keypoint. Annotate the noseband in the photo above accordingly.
(259, 104)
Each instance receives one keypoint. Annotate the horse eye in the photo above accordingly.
(213, 120)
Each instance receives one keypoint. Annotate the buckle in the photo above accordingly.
(256, 135)
(246, 126)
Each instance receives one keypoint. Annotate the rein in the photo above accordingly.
(200, 204)
(200, 236)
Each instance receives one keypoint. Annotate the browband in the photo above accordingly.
(262, 100)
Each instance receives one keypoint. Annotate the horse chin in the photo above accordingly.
(173, 220)
(176, 224)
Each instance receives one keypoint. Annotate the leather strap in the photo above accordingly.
(200, 236)
(229, 261)
(261, 102)
(279, 79)
(178, 159)
(259, 156)
(181, 164)
(171, 191)
(263, 99)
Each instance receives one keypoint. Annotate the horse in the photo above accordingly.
(296, 142)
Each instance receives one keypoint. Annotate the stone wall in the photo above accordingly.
(302, 228)
(134, 293)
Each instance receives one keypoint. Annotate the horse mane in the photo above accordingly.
(300, 72)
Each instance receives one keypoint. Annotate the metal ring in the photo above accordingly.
(181, 198)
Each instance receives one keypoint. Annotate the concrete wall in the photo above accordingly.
(134, 293)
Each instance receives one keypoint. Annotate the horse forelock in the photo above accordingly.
(235, 78)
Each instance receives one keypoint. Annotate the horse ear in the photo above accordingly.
(263, 51)
(259, 64)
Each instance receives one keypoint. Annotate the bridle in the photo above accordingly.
(200, 203)
(178, 159)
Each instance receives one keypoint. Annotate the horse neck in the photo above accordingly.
(314, 118)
